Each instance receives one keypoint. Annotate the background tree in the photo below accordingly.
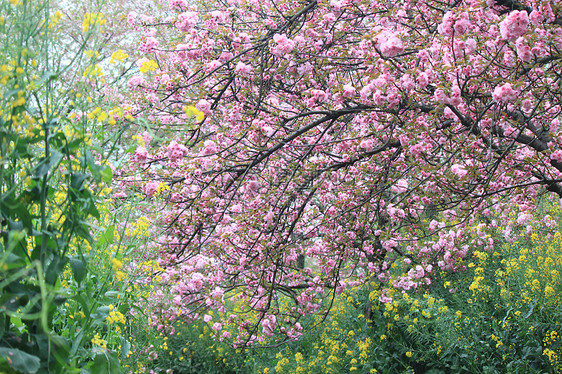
(356, 133)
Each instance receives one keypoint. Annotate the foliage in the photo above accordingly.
(62, 305)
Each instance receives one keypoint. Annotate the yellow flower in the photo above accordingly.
(91, 53)
(119, 56)
(162, 187)
(116, 264)
(92, 19)
(116, 317)
(192, 111)
(147, 66)
(99, 341)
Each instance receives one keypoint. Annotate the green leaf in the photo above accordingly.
(125, 348)
(75, 145)
(49, 75)
(60, 348)
(106, 363)
(106, 174)
(106, 237)
(25, 217)
(53, 122)
(47, 163)
(101, 313)
(76, 342)
(20, 360)
(79, 268)
(77, 181)
(54, 270)
(82, 301)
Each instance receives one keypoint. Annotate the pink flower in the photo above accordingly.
(385, 299)
(524, 219)
(141, 154)
(504, 94)
(400, 186)
(177, 4)
(176, 151)
(136, 81)
(509, 58)
(419, 272)
(186, 21)
(554, 125)
(515, 25)
(462, 25)
(422, 80)
(446, 26)
(132, 18)
(556, 155)
(217, 326)
(348, 90)
(150, 188)
(213, 65)
(148, 45)
(269, 323)
(459, 170)
(207, 318)
(536, 17)
(209, 148)
(204, 106)
(470, 46)
(242, 68)
(284, 45)
(523, 50)
(407, 82)
(367, 144)
(392, 46)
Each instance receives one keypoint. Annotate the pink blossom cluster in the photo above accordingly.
(390, 45)
(283, 45)
(505, 93)
(186, 21)
(176, 151)
(454, 25)
(514, 25)
(177, 4)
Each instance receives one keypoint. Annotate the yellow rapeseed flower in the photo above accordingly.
(92, 19)
(119, 56)
(148, 66)
(116, 264)
(192, 111)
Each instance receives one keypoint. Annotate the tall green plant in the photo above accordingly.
(48, 178)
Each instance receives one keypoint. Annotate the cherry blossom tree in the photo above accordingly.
(333, 139)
